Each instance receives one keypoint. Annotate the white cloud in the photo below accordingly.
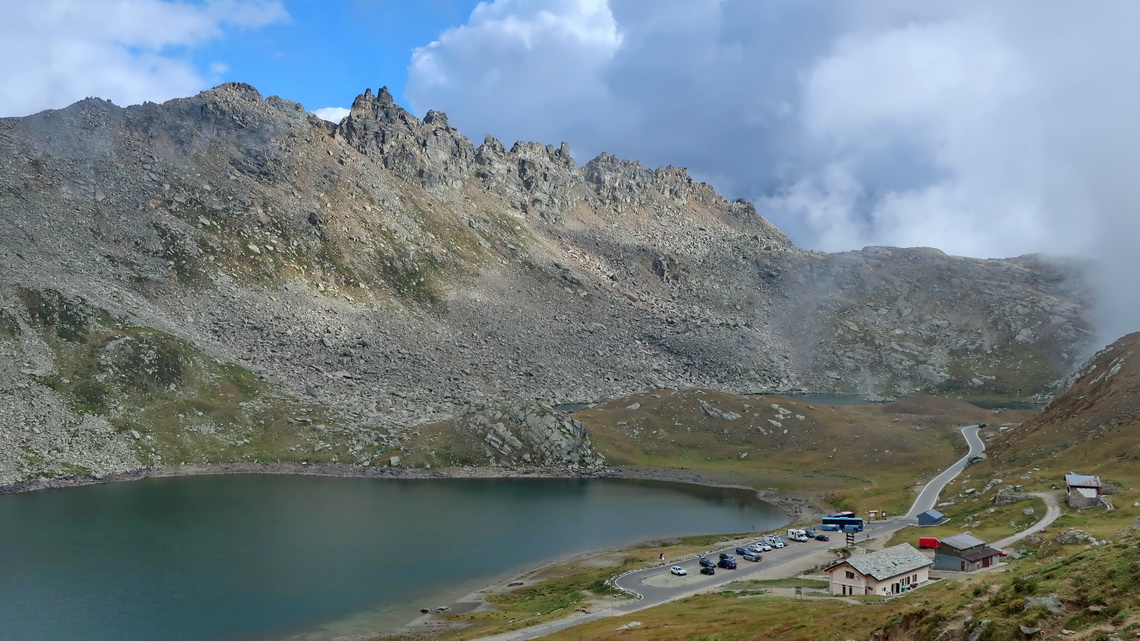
(331, 114)
(519, 63)
(128, 51)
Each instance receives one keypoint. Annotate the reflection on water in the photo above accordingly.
(257, 557)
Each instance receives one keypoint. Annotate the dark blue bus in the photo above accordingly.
(844, 523)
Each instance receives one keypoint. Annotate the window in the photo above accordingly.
(850, 575)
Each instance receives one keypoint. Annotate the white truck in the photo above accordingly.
(797, 535)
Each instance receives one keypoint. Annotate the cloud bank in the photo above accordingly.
(982, 129)
(127, 51)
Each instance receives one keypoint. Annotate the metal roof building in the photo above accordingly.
(1083, 490)
(931, 517)
(963, 541)
(964, 553)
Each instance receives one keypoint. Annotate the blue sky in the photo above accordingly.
(985, 129)
(328, 52)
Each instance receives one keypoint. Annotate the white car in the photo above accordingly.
(779, 543)
(760, 547)
(678, 570)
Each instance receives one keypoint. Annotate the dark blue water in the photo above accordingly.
(265, 557)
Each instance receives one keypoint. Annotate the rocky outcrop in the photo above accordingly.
(531, 436)
(1050, 602)
(390, 272)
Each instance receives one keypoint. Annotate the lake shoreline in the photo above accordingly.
(788, 502)
(794, 507)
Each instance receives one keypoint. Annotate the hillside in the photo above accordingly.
(1094, 423)
(1089, 428)
(229, 278)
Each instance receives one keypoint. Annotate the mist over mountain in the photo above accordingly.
(229, 267)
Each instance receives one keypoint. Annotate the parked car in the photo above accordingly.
(751, 556)
(728, 564)
(726, 555)
(678, 570)
(760, 547)
(709, 570)
(822, 537)
(742, 550)
(706, 563)
(779, 543)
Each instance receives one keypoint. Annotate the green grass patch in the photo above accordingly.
(176, 404)
(9, 326)
(981, 518)
(64, 316)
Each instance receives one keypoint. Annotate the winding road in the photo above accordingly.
(654, 586)
(929, 494)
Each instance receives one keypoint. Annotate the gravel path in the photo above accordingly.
(1052, 511)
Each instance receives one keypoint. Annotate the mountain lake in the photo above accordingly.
(244, 557)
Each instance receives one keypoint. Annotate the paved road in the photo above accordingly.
(929, 494)
(656, 585)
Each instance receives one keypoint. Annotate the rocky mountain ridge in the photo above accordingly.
(387, 272)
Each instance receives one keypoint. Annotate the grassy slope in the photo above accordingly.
(1092, 428)
(177, 404)
(851, 456)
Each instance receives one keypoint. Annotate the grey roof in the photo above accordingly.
(1081, 480)
(934, 513)
(890, 562)
(963, 541)
(983, 553)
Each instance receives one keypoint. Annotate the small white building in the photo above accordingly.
(891, 571)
